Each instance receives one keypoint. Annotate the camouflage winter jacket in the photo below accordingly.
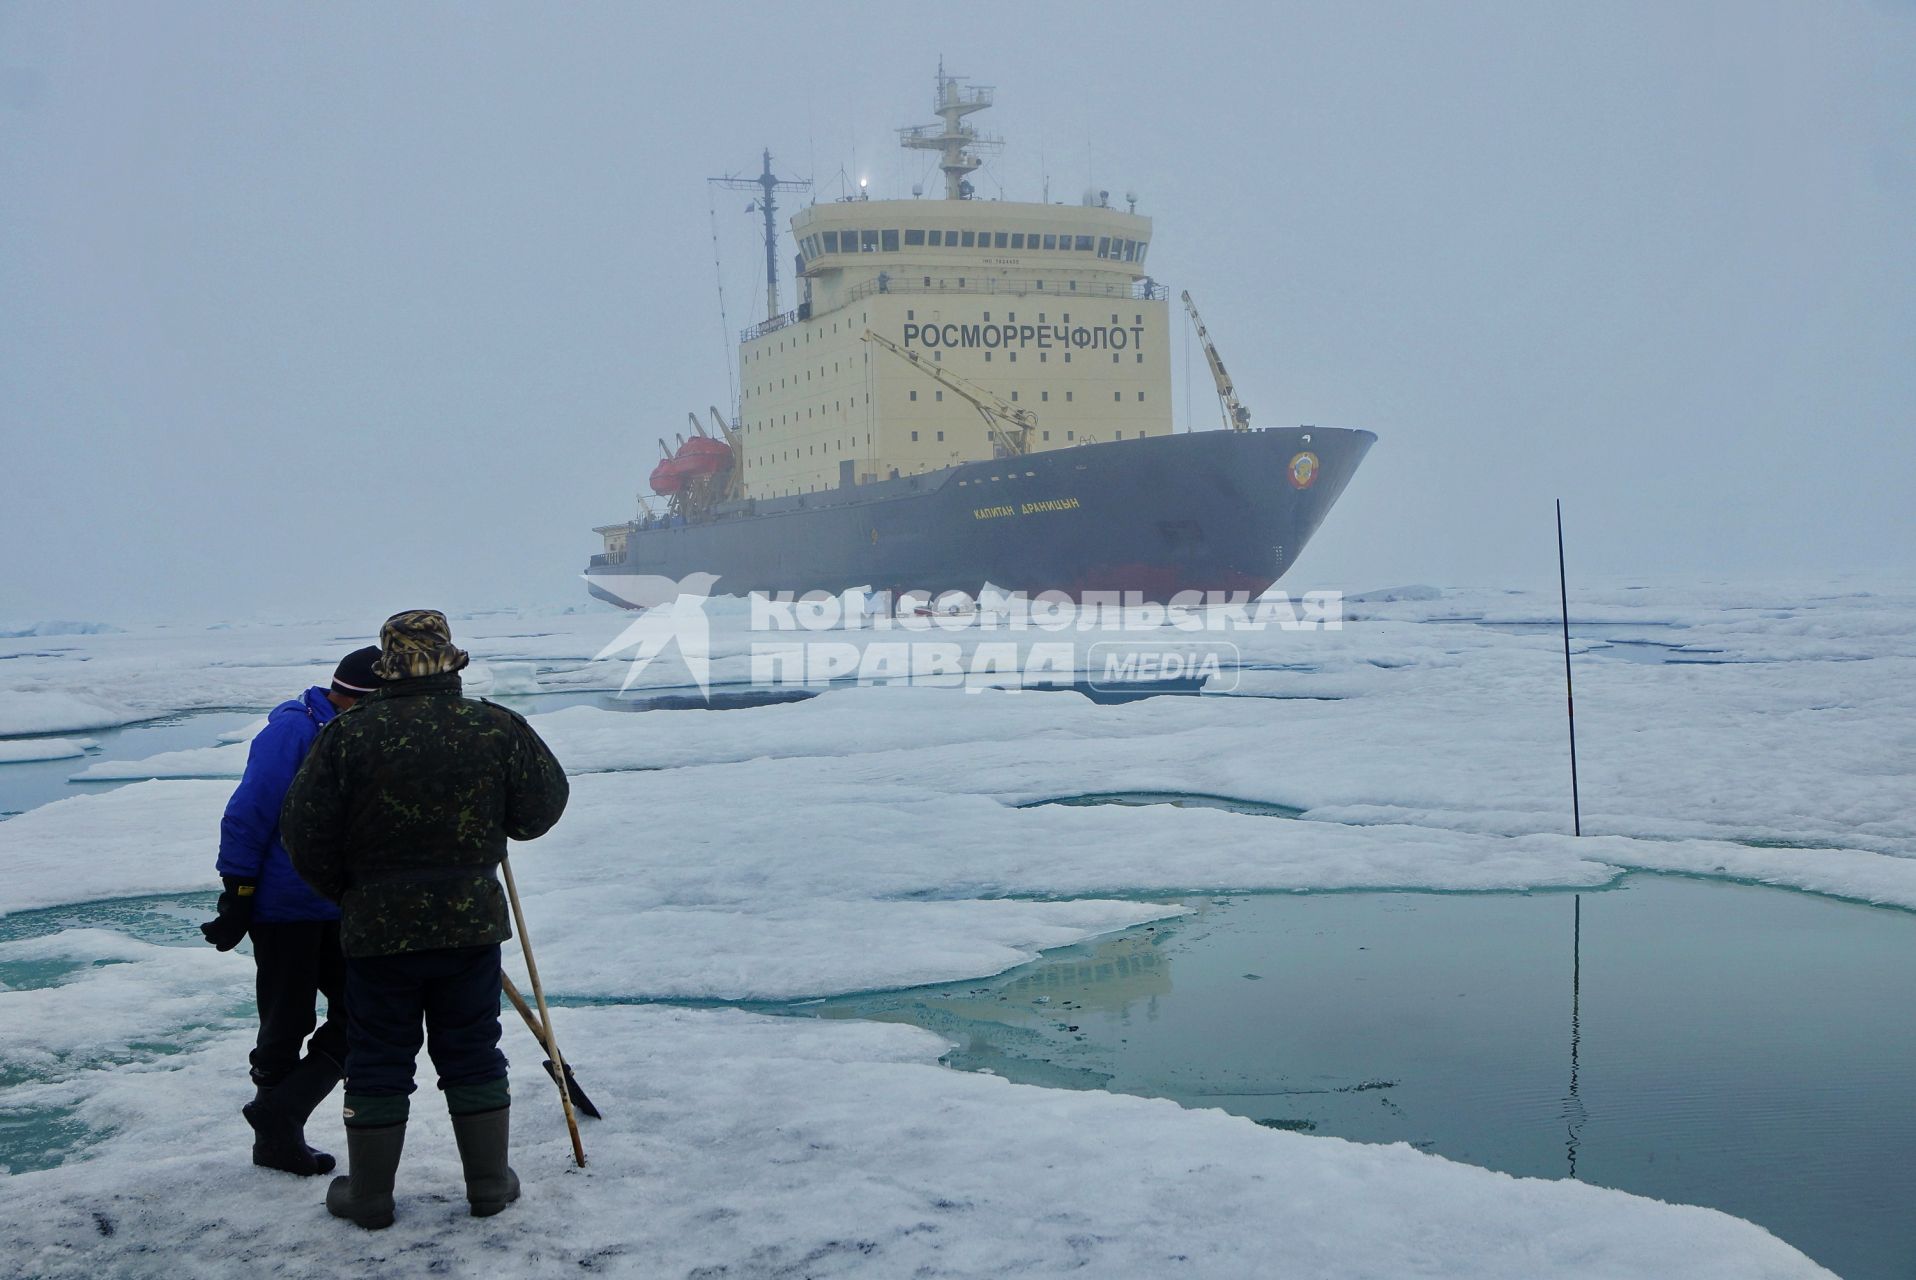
(402, 810)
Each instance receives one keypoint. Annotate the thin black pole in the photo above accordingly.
(1569, 693)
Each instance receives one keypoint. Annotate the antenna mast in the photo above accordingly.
(954, 139)
(769, 185)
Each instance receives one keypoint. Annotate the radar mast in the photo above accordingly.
(954, 140)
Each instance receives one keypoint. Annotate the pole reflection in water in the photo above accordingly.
(1573, 1112)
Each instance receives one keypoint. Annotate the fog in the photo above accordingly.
(313, 309)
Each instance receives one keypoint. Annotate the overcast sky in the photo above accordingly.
(314, 308)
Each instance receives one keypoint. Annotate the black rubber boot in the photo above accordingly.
(365, 1195)
(278, 1116)
(491, 1184)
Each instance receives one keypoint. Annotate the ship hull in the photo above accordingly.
(1209, 511)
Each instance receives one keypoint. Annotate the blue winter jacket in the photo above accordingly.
(249, 833)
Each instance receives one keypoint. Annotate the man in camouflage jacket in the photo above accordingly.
(401, 814)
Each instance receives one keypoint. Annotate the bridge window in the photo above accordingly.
(831, 242)
(999, 239)
(1017, 239)
(1084, 244)
(969, 237)
(868, 241)
(1051, 241)
(890, 241)
(1104, 246)
(914, 237)
(936, 237)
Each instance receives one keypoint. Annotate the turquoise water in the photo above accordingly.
(33, 783)
(39, 1136)
(1695, 1041)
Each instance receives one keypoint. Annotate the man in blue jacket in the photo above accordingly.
(295, 931)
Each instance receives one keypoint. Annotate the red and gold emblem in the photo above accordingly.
(1303, 470)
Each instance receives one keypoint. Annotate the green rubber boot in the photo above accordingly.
(491, 1184)
(365, 1195)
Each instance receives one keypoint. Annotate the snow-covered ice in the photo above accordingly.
(873, 838)
(41, 711)
(23, 750)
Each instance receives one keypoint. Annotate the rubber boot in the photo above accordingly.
(278, 1116)
(365, 1195)
(491, 1184)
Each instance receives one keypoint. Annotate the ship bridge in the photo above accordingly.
(856, 247)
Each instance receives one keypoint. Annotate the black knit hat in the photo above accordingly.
(353, 677)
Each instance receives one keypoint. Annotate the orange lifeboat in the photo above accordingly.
(699, 458)
(702, 457)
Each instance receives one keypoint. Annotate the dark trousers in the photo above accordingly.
(297, 962)
(454, 992)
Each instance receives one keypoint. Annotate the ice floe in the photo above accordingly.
(24, 750)
(874, 838)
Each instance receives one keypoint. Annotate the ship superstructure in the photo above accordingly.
(1047, 305)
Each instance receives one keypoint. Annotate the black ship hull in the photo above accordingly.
(1209, 511)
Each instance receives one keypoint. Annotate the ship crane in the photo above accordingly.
(1009, 425)
(1236, 416)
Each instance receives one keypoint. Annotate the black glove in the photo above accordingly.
(235, 913)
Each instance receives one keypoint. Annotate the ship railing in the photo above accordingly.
(764, 327)
(1136, 291)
